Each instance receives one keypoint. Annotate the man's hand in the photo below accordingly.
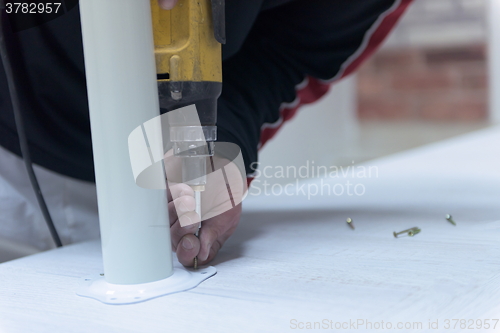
(167, 4)
(221, 211)
(213, 233)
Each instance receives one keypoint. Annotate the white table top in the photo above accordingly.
(294, 260)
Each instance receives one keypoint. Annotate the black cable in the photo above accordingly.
(23, 142)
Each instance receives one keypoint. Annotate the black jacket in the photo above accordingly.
(272, 46)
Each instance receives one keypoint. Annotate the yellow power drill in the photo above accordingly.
(188, 55)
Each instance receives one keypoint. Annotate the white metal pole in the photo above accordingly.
(494, 59)
(122, 92)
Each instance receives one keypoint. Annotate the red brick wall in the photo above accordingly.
(436, 84)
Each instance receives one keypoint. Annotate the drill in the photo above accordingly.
(188, 56)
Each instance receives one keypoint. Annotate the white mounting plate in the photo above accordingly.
(182, 279)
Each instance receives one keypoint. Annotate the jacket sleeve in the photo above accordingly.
(288, 44)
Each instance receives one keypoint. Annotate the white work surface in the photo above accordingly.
(296, 259)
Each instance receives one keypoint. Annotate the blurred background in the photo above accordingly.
(429, 81)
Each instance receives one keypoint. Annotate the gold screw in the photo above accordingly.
(195, 260)
(349, 223)
(411, 232)
(449, 218)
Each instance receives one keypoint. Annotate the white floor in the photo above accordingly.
(294, 262)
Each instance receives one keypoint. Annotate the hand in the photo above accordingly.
(167, 4)
(220, 217)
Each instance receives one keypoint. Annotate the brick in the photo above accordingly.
(461, 109)
(436, 84)
(369, 85)
(422, 81)
(456, 54)
(392, 59)
(475, 80)
(366, 67)
(384, 108)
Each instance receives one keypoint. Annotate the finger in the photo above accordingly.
(187, 249)
(177, 232)
(214, 233)
(184, 204)
(208, 237)
(172, 213)
(179, 190)
(189, 219)
(167, 4)
(181, 206)
(216, 246)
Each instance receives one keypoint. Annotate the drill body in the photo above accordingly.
(188, 56)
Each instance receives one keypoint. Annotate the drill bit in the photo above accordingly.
(197, 199)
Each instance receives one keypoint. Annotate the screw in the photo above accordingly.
(450, 219)
(195, 260)
(349, 223)
(411, 232)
